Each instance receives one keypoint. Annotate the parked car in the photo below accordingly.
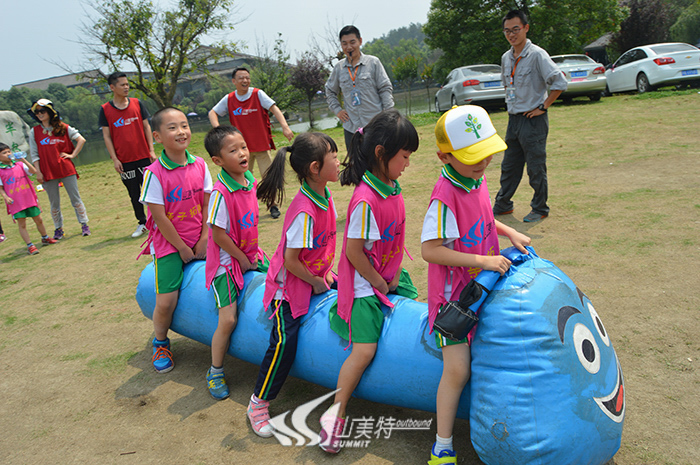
(584, 76)
(478, 84)
(649, 66)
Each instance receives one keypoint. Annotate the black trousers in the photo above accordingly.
(132, 178)
(280, 355)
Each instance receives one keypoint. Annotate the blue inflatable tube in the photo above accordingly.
(405, 372)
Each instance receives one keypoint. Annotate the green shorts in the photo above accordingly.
(225, 291)
(30, 212)
(366, 321)
(168, 273)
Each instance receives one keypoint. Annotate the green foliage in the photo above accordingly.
(405, 71)
(78, 106)
(470, 31)
(162, 45)
(398, 44)
(271, 72)
(648, 22)
(687, 26)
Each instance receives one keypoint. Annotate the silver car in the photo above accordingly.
(476, 84)
(584, 76)
(649, 66)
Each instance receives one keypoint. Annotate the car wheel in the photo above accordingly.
(595, 97)
(643, 83)
(607, 92)
(453, 103)
(437, 105)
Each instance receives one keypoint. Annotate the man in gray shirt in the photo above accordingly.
(366, 87)
(527, 70)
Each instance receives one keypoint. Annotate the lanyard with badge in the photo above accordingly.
(510, 90)
(354, 94)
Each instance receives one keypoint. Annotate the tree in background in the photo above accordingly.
(648, 23)
(687, 26)
(470, 31)
(309, 77)
(427, 77)
(405, 71)
(162, 45)
(271, 72)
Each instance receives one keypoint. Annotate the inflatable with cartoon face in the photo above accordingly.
(546, 387)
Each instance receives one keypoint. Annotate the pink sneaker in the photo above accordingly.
(331, 431)
(259, 416)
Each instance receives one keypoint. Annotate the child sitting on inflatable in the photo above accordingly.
(20, 197)
(232, 244)
(459, 240)
(176, 188)
(301, 265)
(373, 247)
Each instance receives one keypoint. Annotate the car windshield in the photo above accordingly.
(571, 60)
(481, 69)
(670, 48)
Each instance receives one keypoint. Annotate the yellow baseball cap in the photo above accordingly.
(467, 133)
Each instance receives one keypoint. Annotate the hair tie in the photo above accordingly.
(290, 148)
(361, 130)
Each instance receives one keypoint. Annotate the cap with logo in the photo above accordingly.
(467, 133)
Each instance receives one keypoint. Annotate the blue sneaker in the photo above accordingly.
(445, 456)
(217, 385)
(162, 357)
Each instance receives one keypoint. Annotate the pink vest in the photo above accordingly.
(183, 190)
(318, 260)
(251, 118)
(478, 229)
(18, 186)
(385, 255)
(243, 214)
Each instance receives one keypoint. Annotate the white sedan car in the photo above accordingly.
(649, 66)
(584, 76)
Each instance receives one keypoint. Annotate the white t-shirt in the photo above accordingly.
(363, 225)
(439, 213)
(221, 108)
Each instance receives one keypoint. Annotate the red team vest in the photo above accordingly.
(126, 130)
(477, 228)
(318, 260)
(183, 192)
(243, 215)
(50, 162)
(252, 120)
(386, 254)
(19, 187)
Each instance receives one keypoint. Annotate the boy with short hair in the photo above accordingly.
(232, 246)
(19, 195)
(176, 188)
(459, 239)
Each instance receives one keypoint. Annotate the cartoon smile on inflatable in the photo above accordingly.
(589, 354)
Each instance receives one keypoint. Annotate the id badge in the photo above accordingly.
(355, 98)
(510, 94)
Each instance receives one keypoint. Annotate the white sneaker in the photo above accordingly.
(140, 229)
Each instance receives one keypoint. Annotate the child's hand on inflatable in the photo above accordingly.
(394, 282)
(319, 285)
(200, 249)
(497, 263)
(246, 265)
(520, 240)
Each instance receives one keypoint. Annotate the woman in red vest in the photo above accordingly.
(52, 149)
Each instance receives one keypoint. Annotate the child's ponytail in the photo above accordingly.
(271, 188)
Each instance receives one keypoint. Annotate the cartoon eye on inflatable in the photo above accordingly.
(598, 323)
(586, 348)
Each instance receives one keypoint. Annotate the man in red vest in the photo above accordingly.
(129, 141)
(247, 109)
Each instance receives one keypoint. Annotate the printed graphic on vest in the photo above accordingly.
(240, 111)
(248, 220)
(475, 235)
(121, 122)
